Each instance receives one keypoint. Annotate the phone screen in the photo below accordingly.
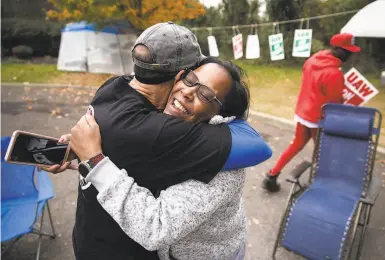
(37, 150)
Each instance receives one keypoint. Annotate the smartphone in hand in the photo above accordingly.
(39, 150)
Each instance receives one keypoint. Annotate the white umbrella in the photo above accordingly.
(368, 22)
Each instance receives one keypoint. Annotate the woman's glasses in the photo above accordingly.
(204, 93)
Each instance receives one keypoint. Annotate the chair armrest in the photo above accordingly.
(298, 171)
(373, 191)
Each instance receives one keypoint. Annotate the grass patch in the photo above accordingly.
(33, 73)
(48, 73)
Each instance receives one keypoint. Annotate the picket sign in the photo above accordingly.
(358, 90)
(252, 47)
(276, 47)
(213, 47)
(302, 43)
(238, 46)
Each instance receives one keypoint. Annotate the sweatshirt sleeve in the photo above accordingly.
(248, 147)
(334, 86)
(158, 222)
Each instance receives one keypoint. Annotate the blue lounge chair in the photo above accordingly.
(321, 219)
(25, 192)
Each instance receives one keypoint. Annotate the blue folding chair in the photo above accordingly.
(25, 191)
(321, 220)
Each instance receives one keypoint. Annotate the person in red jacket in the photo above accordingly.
(322, 82)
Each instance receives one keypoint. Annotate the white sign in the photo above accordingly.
(276, 47)
(252, 47)
(238, 46)
(302, 43)
(213, 47)
(358, 90)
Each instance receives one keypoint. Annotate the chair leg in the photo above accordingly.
(36, 232)
(40, 235)
(354, 230)
(363, 232)
(50, 219)
(369, 214)
(362, 221)
(281, 225)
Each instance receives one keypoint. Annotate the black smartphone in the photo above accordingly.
(34, 149)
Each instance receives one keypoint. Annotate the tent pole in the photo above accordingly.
(87, 49)
(121, 56)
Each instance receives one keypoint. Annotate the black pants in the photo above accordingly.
(98, 251)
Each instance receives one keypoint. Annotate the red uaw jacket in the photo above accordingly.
(322, 82)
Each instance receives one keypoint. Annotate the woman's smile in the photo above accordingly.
(179, 106)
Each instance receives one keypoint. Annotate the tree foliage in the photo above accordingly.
(371, 56)
(281, 10)
(239, 12)
(228, 13)
(140, 13)
(235, 11)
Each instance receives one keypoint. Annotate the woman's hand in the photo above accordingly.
(86, 141)
(60, 168)
(65, 139)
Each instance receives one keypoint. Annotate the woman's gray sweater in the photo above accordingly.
(189, 221)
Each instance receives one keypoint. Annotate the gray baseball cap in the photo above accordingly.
(173, 48)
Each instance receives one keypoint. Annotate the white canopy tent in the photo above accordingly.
(368, 22)
(84, 48)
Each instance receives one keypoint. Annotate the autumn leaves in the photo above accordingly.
(140, 13)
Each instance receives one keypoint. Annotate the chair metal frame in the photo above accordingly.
(363, 210)
(37, 231)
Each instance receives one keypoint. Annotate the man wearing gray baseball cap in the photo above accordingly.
(159, 150)
(162, 51)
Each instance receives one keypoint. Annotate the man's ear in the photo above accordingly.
(177, 77)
